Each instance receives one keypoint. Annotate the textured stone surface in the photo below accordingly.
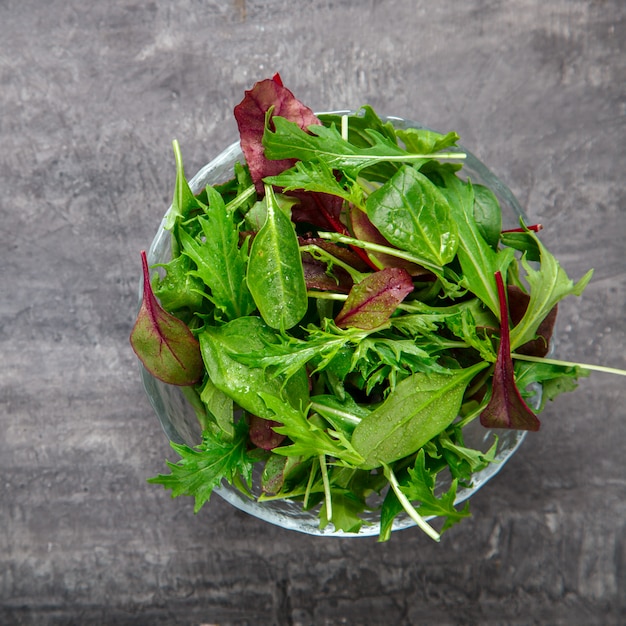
(91, 95)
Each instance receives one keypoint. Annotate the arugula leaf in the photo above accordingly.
(421, 487)
(309, 439)
(346, 509)
(548, 285)
(202, 469)
(317, 177)
(220, 263)
(289, 141)
(275, 276)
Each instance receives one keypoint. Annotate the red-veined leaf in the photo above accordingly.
(506, 408)
(163, 343)
(371, 302)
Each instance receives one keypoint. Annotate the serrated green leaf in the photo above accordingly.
(201, 469)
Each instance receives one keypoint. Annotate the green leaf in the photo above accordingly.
(202, 469)
(421, 487)
(317, 177)
(221, 264)
(275, 276)
(219, 405)
(180, 288)
(289, 141)
(424, 141)
(241, 382)
(479, 261)
(183, 202)
(548, 285)
(163, 343)
(309, 439)
(412, 214)
(488, 214)
(418, 409)
(346, 510)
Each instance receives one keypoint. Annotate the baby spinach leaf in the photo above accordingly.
(275, 276)
(371, 302)
(163, 343)
(221, 264)
(241, 382)
(488, 214)
(479, 261)
(412, 214)
(417, 410)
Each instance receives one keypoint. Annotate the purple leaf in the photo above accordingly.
(262, 433)
(371, 302)
(250, 117)
(506, 408)
(163, 343)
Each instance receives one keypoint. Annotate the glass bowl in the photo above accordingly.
(178, 419)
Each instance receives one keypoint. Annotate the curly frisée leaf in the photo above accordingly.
(163, 343)
(202, 469)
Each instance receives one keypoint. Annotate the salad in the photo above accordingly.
(340, 310)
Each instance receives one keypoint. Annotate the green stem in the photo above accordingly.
(375, 247)
(329, 501)
(585, 366)
(408, 507)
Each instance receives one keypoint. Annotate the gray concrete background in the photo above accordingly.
(91, 96)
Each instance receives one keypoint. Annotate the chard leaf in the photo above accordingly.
(506, 407)
(243, 383)
(413, 215)
(548, 285)
(263, 434)
(202, 469)
(371, 302)
(275, 275)
(163, 343)
(221, 264)
(418, 409)
(251, 115)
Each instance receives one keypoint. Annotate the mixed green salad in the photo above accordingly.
(340, 309)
